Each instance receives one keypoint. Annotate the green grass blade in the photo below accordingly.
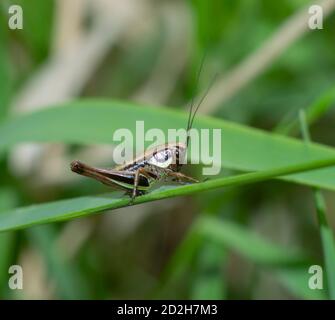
(327, 238)
(180, 261)
(328, 243)
(290, 265)
(7, 201)
(296, 281)
(94, 121)
(6, 79)
(314, 112)
(65, 275)
(208, 281)
(71, 208)
(248, 244)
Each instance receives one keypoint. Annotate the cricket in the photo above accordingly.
(160, 163)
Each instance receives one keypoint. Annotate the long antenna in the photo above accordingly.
(193, 98)
(190, 115)
(203, 98)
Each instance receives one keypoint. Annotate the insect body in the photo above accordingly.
(138, 175)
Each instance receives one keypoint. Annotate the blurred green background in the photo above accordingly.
(149, 52)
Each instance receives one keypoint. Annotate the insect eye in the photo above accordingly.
(162, 156)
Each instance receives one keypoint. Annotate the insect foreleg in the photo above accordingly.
(180, 177)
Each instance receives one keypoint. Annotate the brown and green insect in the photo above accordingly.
(138, 175)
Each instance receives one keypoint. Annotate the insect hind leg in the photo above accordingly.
(135, 191)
